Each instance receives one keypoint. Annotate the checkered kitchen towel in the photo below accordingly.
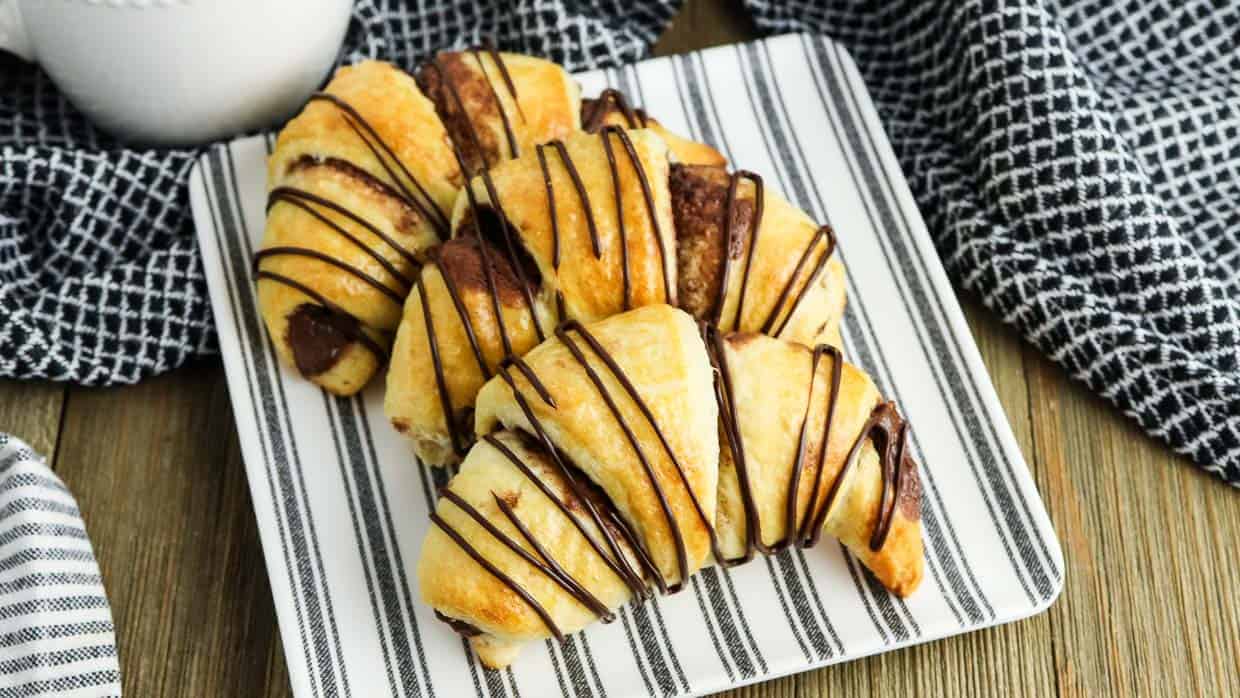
(55, 623)
(1077, 163)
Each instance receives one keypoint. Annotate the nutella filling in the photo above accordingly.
(485, 223)
(699, 206)
(318, 337)
(464, 99)
(461, 627)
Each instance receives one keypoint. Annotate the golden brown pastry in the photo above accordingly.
(612, 108)
(779, 275)
(575, 229)
(779, 403)
(451, 340)
(599, 475)
(363, 181)
(358, 186)
(612, 486)
(365, 178)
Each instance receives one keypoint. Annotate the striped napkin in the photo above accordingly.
(56, 635)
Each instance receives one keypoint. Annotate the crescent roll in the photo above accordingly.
(467, 314)
(780, 403)
(627, 454)
(359, 185)
(611, 108)
(579, 229)
(750, 261)
(619, 434)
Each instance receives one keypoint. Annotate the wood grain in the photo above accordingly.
(31, 411)
(1149, 606)
(157, 472)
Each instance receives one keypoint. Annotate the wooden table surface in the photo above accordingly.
(1151, 542)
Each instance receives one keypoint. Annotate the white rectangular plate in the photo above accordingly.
(342, 506)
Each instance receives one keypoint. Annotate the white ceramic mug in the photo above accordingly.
(179, 71)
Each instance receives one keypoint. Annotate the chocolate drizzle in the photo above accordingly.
(698, 190)
(379, 148)
(496, 572)
(606, 133)
(512, 90)
(615, 560)
(884, 428)
(582, 195)
(618, 373)
(462, 118)
(632, 577)
(889, 433)
(441, 381)
(544, 562)
(288, 251)
(594, 112)
(826, 233)
(510, 248)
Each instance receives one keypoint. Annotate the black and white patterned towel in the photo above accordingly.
(56, 634)
(1077, 164)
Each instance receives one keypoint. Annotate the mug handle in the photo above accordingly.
(13, 36)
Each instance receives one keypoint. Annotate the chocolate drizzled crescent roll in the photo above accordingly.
(599, 476)
(358, 185)
(575, 229)
(780, 402)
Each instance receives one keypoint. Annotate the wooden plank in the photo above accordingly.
(704, 23)
(158, 475)
(31, 410)
(1149, 607)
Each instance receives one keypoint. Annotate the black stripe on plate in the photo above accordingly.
(710, 627)
(364, 545)
(295, 464)
(598, 680)
(397, 556)
(277, 476)
(942, 555)
(849, 140)
(714, 578)
(637, 657)
(957, 372)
